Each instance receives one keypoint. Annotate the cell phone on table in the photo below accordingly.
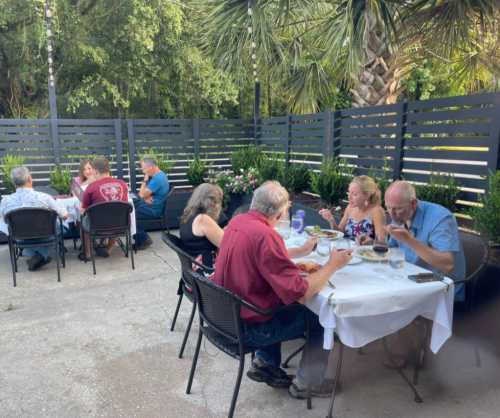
(424, 277)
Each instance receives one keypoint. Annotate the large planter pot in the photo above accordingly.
(236, 201)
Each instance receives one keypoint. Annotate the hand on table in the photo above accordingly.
(310, 245)
(364, 239)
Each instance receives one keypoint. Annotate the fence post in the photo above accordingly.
(494, 148)
(119, 148)
(288, 139)
(196, 136)
(335, 141)
(400, 140)
(131, 154)
(328, 134)
(54, 133)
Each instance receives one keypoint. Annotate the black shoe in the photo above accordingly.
(37, 261)
(101, 252)
(271, 375)
(148, 242)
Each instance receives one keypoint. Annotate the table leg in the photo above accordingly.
(337, 378)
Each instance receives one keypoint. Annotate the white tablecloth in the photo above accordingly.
(372, 300)
(72, 205)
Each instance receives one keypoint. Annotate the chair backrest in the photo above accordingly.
(110, 217)
(187, 261)
(312, 216)
(31, 223)
(218, 308)
(476, 252)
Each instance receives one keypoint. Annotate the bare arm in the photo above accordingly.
(317, 281)
(343, 221)
(378, 217)
(205, 226)
(303, 250)
(441, 260)
(144, 192)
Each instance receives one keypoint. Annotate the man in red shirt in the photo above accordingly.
(254, 263)
(103, 189)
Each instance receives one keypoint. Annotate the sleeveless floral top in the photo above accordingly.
(363, 227)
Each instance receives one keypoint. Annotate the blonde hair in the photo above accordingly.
(368, 187)
(206, 198)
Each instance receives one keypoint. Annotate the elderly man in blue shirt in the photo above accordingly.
(428, 235)
(425, 231)
(153, 192)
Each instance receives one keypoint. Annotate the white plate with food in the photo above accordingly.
(355, 260)
(367, 253)
(316, 231)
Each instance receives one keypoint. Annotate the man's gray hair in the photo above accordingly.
(149, 161)
(404, 189)
(20, 176)
(270, 198)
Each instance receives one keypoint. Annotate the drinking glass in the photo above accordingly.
(297, 224)
(396, 258)
(323, 247)
(342, 244)
(283, 229)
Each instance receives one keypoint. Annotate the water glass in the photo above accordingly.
(283, 228)
(396, 258)
(297, 224)
(342, 244)
(323, 248)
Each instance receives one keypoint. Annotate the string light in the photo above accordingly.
(252, 41)
(50, 60)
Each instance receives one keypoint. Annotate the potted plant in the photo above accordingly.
(245, 158)
(441, 189)
(60, 180)
(162, 159)
(197, 171)
(332, 181)
(10, 162)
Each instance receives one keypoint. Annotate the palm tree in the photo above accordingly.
(368, 44)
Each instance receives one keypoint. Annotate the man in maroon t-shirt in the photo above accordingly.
(103, 189)
(254, 263)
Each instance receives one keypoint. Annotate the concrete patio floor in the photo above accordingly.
(100, 346)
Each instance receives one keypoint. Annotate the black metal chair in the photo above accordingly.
(220, 322)
(185, 284)
(312, 217)
(109, 220)
(32, 228)
(476, 252)
(160, 223)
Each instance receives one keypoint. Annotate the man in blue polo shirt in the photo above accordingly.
(153, 192)
(426, 232)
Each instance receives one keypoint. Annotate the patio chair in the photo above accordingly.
(220, 322)
(312, 216)
(185, 284)
(110, 220)
(160, 223)
(476, 252)
(32, 228)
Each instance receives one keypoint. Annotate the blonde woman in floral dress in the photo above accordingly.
(364, 217)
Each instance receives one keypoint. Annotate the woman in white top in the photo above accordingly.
(364, 217)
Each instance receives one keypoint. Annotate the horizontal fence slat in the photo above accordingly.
(442, 115)
(480, 170)
(477, 99)
(449, 128)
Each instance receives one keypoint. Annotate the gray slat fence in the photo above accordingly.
(458, 136)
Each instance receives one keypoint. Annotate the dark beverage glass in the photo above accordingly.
(380, 247)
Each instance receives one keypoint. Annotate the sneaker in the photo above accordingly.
(324, 390)
(37, 261)
(271, 375)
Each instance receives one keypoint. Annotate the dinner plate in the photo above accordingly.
(323, 233)
(367, 253)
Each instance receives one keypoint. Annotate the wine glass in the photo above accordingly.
(397, 258)
(283, 228)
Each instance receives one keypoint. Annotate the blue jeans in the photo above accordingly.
(144, 210)
(285, 326)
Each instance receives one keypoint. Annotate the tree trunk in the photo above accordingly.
(379, 81)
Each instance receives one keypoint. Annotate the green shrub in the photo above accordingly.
(60, 179)
(382, 177)
(296, 178)
(332, 182)
(9, 162)
(197, 171)
(487, 217)
(162, 159)
(246, 158)
(441, 189)
(271, 167)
